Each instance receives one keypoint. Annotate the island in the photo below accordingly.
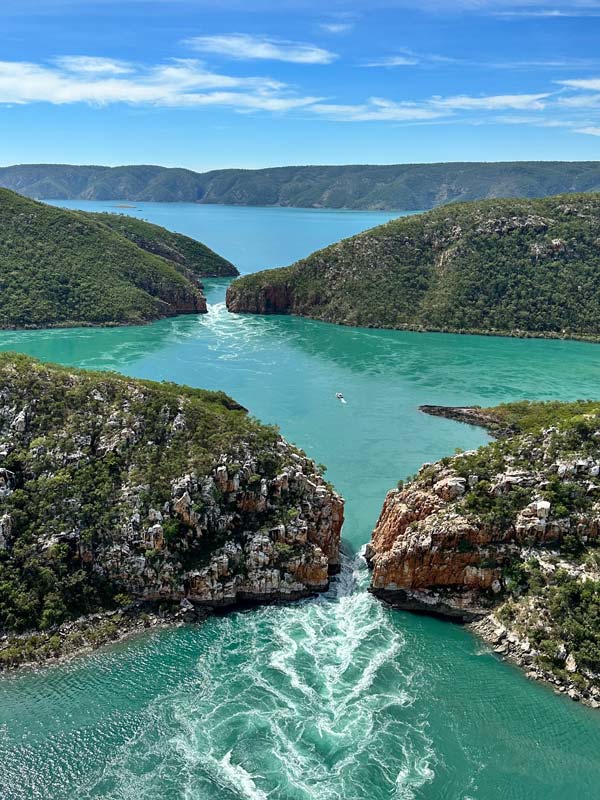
(66, 268)
(395, 187)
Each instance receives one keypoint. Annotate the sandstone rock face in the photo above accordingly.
(444, 542)
(257, 557)
(276, 299)
(187, 302)
(427, 556)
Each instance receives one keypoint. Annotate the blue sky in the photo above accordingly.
(218, 83)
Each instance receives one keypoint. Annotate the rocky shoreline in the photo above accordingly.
(470, 415)
(80, 637)
(73, 639)
(510, 647)
(116, 492)
(279, 299)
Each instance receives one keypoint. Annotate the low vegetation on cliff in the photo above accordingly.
(511, 267)
(115, 490)
(388, 186)
(510, 532)
(60, 267)
(191, 255)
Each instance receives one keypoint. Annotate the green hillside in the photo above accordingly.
(61, 267)
(390, 186)
(514, 267)
(189, 254)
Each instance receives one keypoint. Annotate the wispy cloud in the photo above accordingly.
(380, 109)
(377, 109)
(93, 65)
(572, 104)
(336, 27)
(518, 102)
(404, 57)
(393, 61)
(179, 83)
(592, 84)
(549, 13)
(242, 46)
(550, 63)
(532, 12)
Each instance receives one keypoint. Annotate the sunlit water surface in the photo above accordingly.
(336, 698)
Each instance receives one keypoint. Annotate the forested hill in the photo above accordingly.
(513, 267)
(397, 187)
(189, 254)
(60, 267)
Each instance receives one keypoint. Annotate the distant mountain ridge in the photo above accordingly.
(401, 187)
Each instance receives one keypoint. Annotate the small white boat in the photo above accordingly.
(340, 397)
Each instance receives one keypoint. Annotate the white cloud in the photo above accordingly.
(557, 63)
(336, 27)
(242, 46)
(393, 61)
(93, 64)
(497, 102)
(543, 12)
(377, 109)
(405, 57)
(583, 83)
(190, 83)
(180, 83)
(582, 101)
(380, 109)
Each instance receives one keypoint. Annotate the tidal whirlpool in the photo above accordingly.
(336, 697)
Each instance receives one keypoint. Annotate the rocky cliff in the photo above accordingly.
(510, 267)
(508, 534)
(114, 491)
(269, 299)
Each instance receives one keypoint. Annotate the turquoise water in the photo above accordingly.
(252, 238)
(337, 698)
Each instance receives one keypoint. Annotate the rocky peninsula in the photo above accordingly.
(64, 268)
(121, 498)
(507, 538)
(503, 267)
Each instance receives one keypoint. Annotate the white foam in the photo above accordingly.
(241, 781)
(317, 697)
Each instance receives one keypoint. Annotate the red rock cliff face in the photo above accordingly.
(427, 557)
(186, 302)
(275, 299)
(432, 552)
